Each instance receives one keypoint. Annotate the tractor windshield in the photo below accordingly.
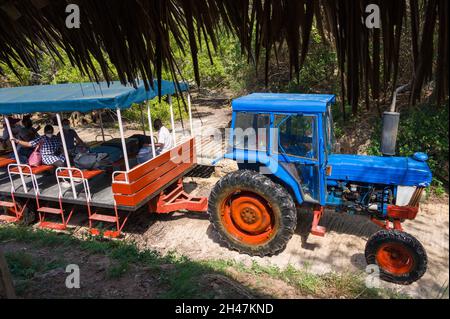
(251, 131)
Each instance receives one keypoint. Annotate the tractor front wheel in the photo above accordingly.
(400, 256)
(252, 214)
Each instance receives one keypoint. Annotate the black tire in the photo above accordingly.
(277, 201)
(404, 250)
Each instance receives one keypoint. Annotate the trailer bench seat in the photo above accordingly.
(34, 170)
(147, 179)
(5, 161)
(87, 174)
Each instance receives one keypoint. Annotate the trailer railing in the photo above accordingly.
(76, 175)
(23, 170)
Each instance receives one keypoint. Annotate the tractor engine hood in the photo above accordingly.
(405, 171)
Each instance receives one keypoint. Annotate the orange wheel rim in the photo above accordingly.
(395, 258)
(248, 217)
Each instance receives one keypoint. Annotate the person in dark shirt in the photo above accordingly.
(26, 133)
(73, 141)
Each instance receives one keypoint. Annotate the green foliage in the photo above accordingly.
(158, 110)
(318, 72)
(52, 71)
(117, 271)
(24, 267)
(225, 71)
(422, 129)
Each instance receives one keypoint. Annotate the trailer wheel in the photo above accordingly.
(400, 256)
(252, 214)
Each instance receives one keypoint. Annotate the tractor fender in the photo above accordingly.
(272, 166)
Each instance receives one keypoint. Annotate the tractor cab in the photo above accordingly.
(289, 134)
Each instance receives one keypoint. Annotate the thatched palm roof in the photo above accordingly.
(135, 35)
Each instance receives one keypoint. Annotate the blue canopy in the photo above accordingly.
(82, 97)
(283, 102)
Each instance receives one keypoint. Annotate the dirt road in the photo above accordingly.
(340, 250)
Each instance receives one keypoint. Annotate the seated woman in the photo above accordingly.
(50, 147)
(27, 133)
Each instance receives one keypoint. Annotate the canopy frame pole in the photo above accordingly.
(124, 144)
(142, 119)
(66, 154)
(191, 124)
(16, 154)
(172, 120)
(150, 124)
(101, 125)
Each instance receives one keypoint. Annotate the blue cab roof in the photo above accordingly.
(82, 97)
(283, 103)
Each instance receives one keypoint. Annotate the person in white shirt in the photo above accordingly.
(165, 139)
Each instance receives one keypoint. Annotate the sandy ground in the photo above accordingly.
(342, 249)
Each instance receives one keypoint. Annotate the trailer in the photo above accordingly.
(108, 195)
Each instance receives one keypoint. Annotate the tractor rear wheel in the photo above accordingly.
(252, 214)
(400, 256)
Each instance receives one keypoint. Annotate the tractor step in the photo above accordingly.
(317, 230)
(50, 210)
(8, 219)
(6, 204)
(51, 225)
(103, 218)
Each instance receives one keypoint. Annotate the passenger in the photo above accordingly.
(14, 128)
(50, 147)
(73, 142)
(27, 133)
(165, 139)
(145, 151)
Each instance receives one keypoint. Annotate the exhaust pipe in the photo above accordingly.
(391, 122)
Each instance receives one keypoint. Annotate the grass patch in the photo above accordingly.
(24, 267)
(330, 285)
(117, 271)
(181, 277)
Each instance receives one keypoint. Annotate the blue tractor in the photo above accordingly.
(284, 146)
